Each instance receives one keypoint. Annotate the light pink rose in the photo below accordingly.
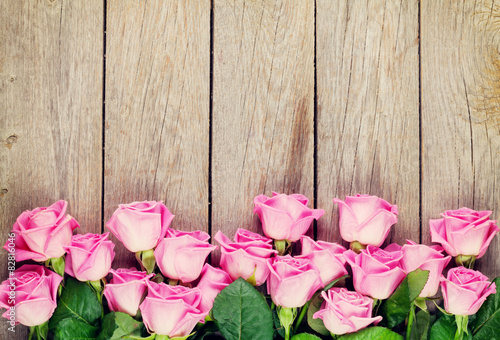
(292, 281)
(172, 310)
(376, 272)
(426, 258)
(31, 293)
(140, 225)
(366, 219)
(181, 255)
(345, 312)
(465, 290)
(248, 255)
(328, 257)
(464, 231)
(42, 233)
(125, 290)
(89, 256)
(212, 281)
(285, 217)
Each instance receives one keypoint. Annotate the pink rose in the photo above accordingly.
(328, 257)
(140, 225)
(464, 231)
(172, 310)
(212, 281)
(426, 258)
(248, 255)
(366, 219)
(376, 272)
(285, 217)
(292, 281)
(125, 290)
(345, 312)
(42, 233)
(181, 255)
(31, 293)
(465, 290)
(89, 256)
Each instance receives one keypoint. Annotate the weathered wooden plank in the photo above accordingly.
(263, 109)
(157, 109)
(368, 118)
(460, 112)
(51, 112)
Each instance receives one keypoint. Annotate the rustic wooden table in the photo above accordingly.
(206, 105)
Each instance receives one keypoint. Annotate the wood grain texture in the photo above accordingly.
(157, 109)
(50, 113)
(263, 106)
(461, 112)
(368, 109)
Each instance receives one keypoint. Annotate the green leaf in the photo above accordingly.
(316, 324)
(241, 312)
(444, 328)
(71, 328)
(117, 325)
(397, 306)
(78, 301)
(372, 333)
(331, 284)
(305, 336)
(487, 322)
(420, 329)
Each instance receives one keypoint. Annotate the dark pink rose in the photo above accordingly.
(376, 272)
(212, 281)
(464, 231)
(246, 257)
(30, 295)
(426, 258)
(292, 281)
(89, 256)
(345, 312)
(42, 233)
(328, 257)
(366, 219)
(465, 290)
(181, 255)
(140, 225)
(285, 217)
(172, 310)
(125, 290)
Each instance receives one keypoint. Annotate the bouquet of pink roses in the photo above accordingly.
(261, 289)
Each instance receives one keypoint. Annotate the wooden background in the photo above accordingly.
(206, 104)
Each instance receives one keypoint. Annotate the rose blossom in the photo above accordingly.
(292, 281)
(172, 310)
(89, 256)
(212, 281)
(366, 219)
(124, 291)
(345, 312)
(35, 290)
(328, 257)
(285, 217)
(140, 225)
(426, 258)
(42, 233)
(247, 256)
(464, 231)
(465, 290)
(376, 272)
(181, 255)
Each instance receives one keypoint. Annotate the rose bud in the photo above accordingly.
(212, 281)
(366, 219)
(42, 233)
(181, 255)
(89, 256)
(140, 225)
(345, 312)
(32, 292)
